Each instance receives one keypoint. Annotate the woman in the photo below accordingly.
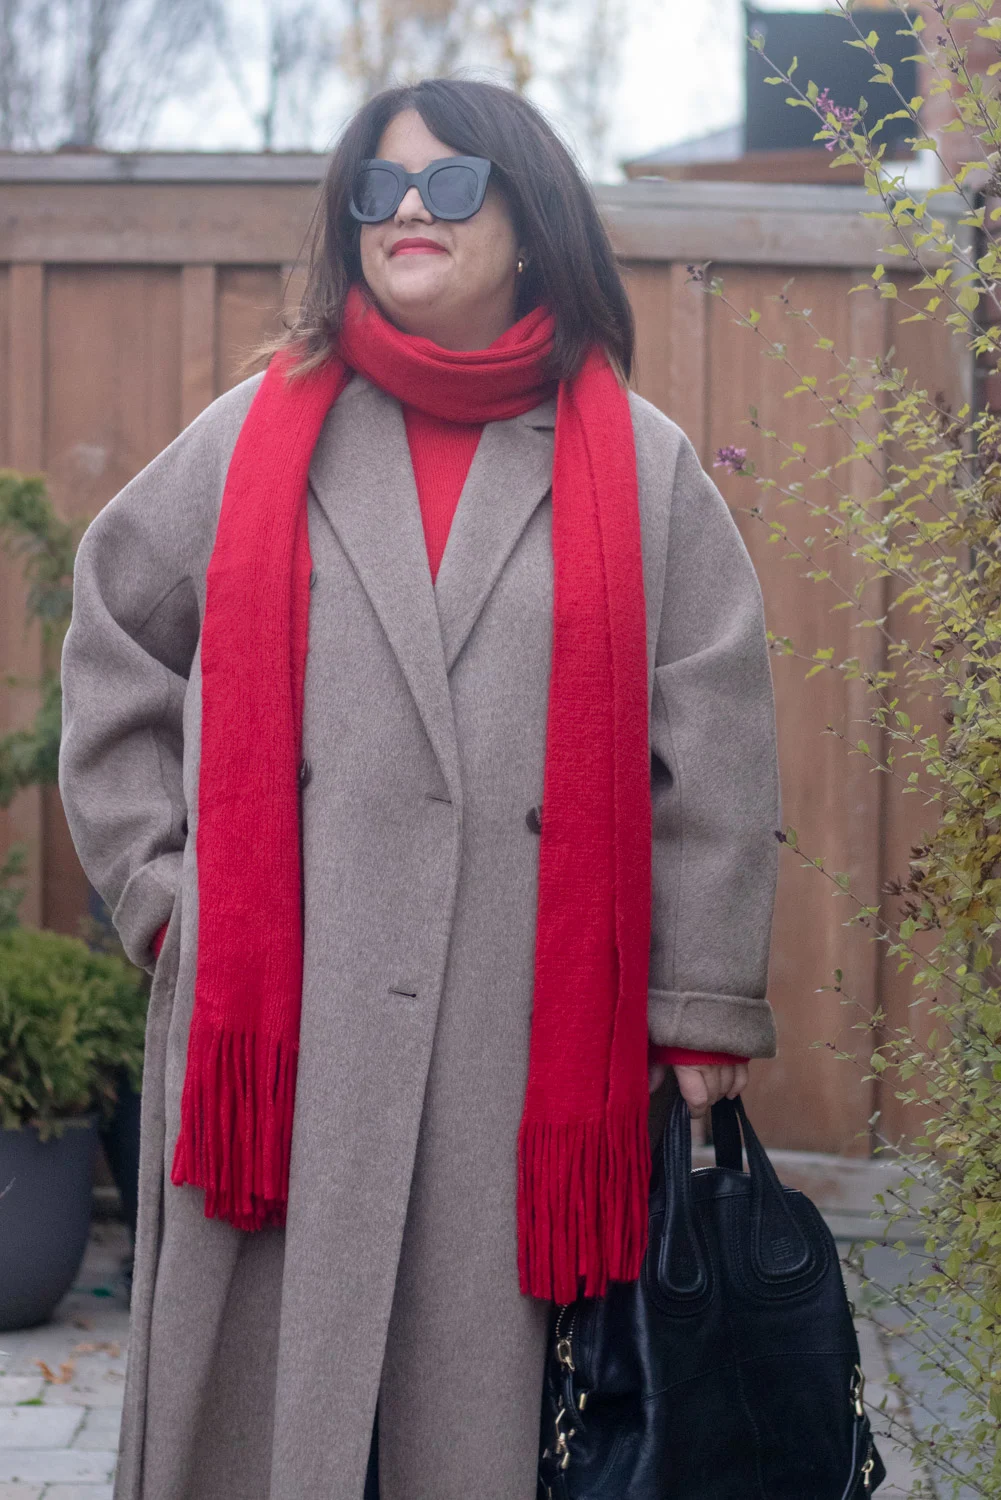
(392, 800)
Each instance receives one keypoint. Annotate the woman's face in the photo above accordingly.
(452, 281)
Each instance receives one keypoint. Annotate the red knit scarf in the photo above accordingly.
(583, 1154)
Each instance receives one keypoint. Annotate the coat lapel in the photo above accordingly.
(510, 474)
(363, 479)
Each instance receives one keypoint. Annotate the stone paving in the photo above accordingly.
(893, 1419)
(61, 1388)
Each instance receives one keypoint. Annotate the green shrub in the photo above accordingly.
(71, 1025)
(44, 547)
(11, 886)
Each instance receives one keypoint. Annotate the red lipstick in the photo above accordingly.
(416, 245)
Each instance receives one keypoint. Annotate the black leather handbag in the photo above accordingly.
(730, 1370)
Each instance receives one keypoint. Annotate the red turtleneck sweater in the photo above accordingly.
(441, 453)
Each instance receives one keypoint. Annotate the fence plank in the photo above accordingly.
(937, 361)
(293, 274)
(113, 385)
(146, 224)
(250, 304)
(198, 340)
(26, 326)
(649, 293)
(241, 221)
(865, 790)
(687, 395)
(23, 658)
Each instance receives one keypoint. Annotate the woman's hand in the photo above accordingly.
(703, 1086)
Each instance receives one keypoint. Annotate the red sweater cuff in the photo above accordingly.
(157, 942)
(684, 1057)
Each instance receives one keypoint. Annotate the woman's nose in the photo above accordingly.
(412, 207)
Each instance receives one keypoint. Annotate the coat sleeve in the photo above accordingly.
(714, 782)
(137, 591)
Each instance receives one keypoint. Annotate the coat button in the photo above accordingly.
(534, 819)
(305, 774)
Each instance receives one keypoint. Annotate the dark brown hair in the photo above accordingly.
(570, 265)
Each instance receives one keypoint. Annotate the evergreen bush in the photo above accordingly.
(45, 547)
(71, 1024)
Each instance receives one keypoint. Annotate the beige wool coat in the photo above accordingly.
(256, 1360)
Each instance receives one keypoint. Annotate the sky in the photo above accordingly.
(680, 73)
(682, 70)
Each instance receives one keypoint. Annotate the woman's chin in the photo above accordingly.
(416, 285)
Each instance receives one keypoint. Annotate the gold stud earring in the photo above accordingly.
(521, 264)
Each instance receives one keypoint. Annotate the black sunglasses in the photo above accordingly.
(451, 188)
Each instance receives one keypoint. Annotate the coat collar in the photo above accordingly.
(362, 478)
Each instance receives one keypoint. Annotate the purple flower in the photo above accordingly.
(730, 458)
(844, 116)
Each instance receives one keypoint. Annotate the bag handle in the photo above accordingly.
(726, 1136)
(682, 1269)
(779, 1249)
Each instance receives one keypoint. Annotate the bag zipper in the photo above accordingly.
(856, 1396)
(564, 1341)
(564, 1345)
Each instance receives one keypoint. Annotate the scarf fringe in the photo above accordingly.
(583, 1203)
(236, 1126)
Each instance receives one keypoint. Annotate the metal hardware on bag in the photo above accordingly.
(562, 1438)
(562, 1453)
(564, 1353)
(867, 1469)
(564, 1346)
(855, 1394)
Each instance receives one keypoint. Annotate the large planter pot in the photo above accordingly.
(44, 1219)
(120, 1139)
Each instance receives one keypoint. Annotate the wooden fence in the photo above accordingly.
(132, 289)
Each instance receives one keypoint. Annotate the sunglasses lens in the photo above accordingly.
(453, 190)
(376, 192)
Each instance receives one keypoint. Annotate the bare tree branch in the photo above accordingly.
(99, 73)
(93, 72)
